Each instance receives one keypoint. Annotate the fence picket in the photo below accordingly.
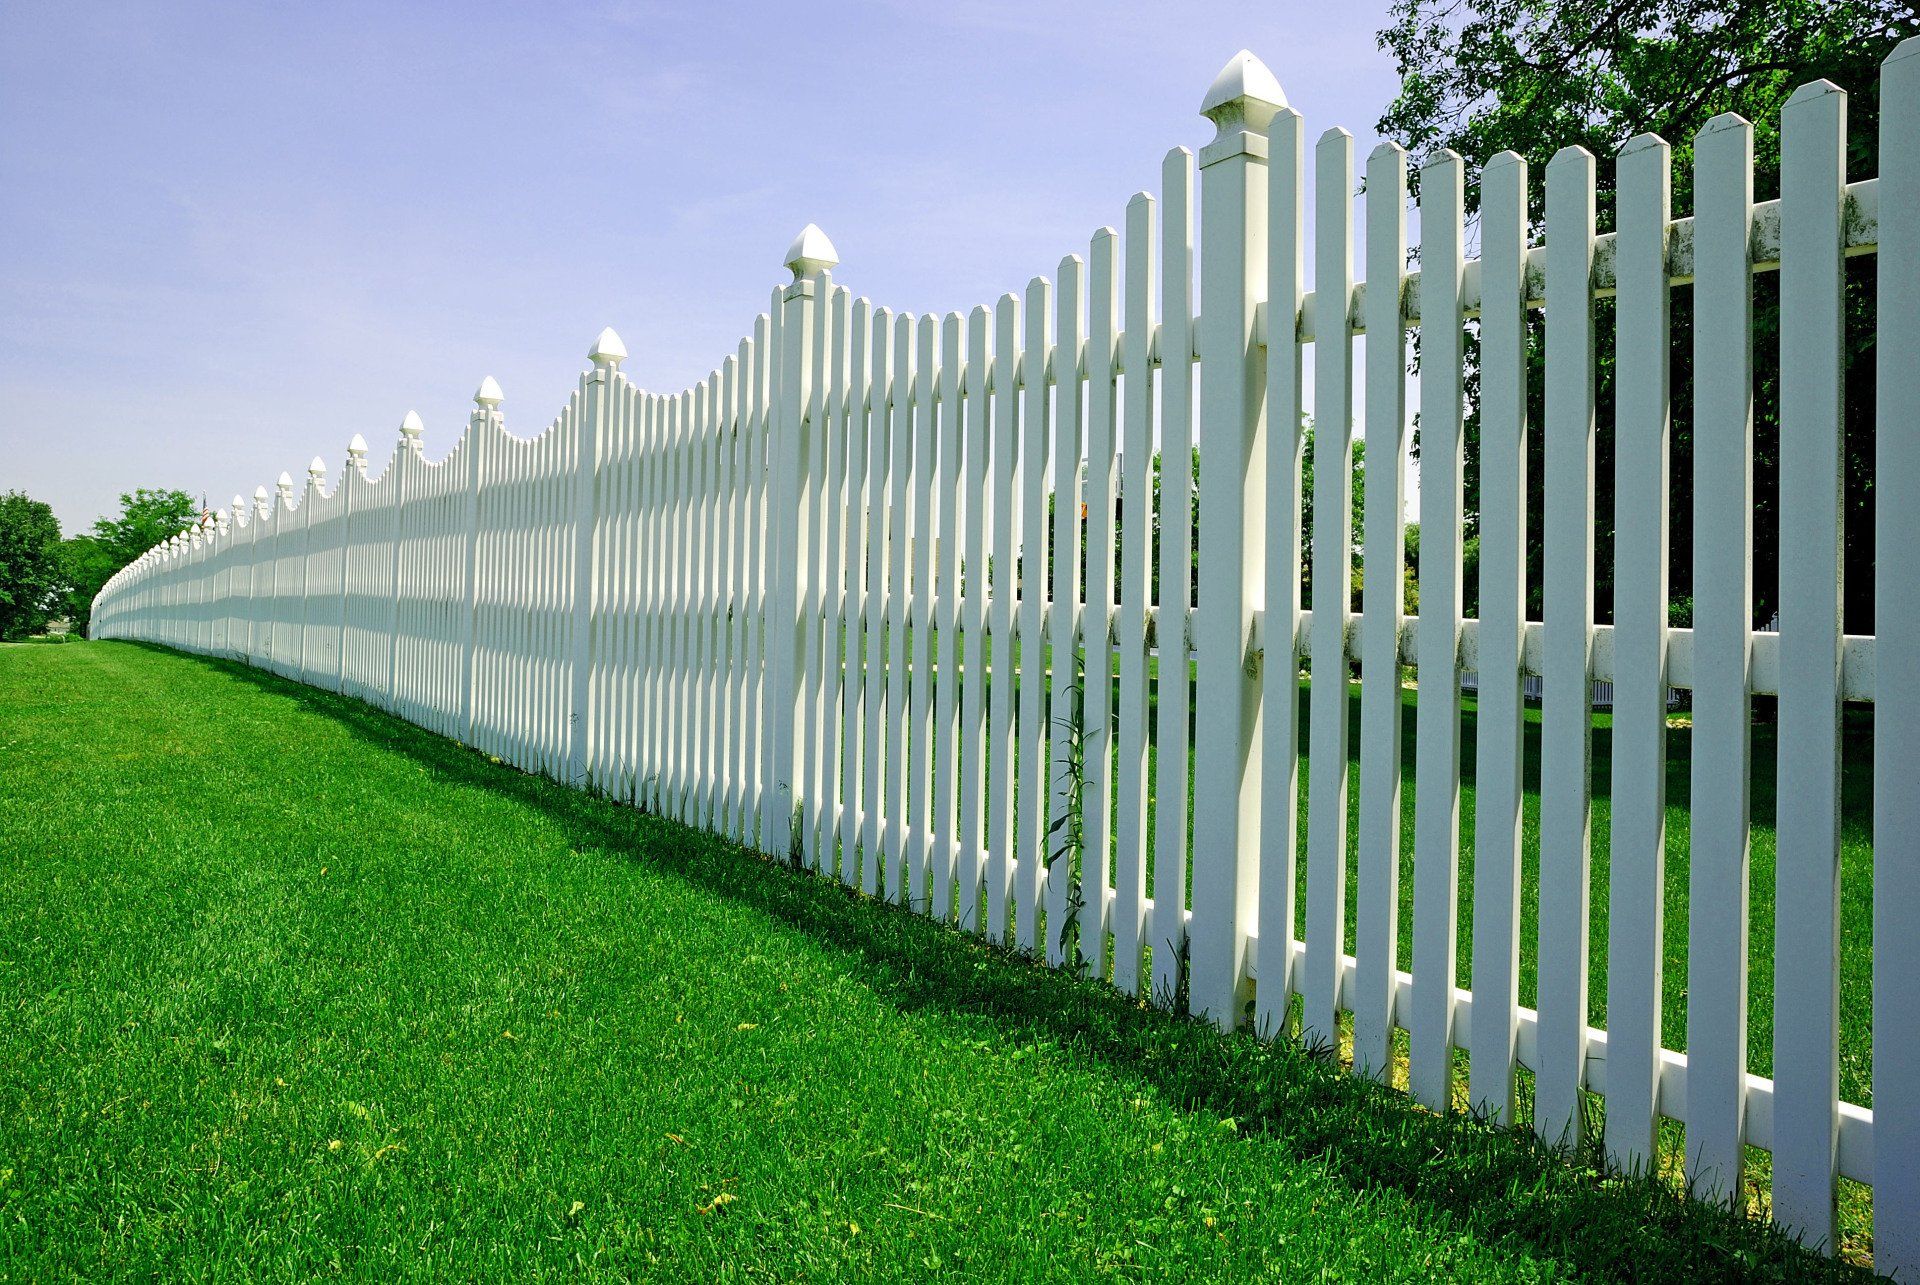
(1566, 718)
(1494, 1021)
(1135, 580)
(1286, 446)
(1065, 601)
(1035, 440)
(1096, 629)
(1377, 923)
(1173, 727)
(970, 588)
(1436, 773)
(1636, 859)
(1896, 744)
(950, 431)
(1722, 640)
(878, 681)
(1002, 744)
(1332, 540)
(1806, 1027)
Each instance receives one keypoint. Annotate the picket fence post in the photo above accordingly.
(1233, 212)
(486, 414)
(607, 354)
(404, 464)
(351, 478)
(809, 258)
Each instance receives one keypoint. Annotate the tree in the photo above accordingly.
(90, 560)
(1533, 76)
(31, 581)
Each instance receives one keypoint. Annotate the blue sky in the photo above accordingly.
(234, 236)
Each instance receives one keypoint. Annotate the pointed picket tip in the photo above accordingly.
(1813, 89)
(488, 394)
(607, 349)
(1244, 90)
(811, 252)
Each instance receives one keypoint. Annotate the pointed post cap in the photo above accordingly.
(411, 427)
(488, 394)
(260, 492)
(317, 469)
(239, 505)
(285, 483)
(357, 448)
(1244, 92)
(811, 252)
(607, 349)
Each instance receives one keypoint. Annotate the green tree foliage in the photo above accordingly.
(1534, 76)
(91, 559)
(31, 575)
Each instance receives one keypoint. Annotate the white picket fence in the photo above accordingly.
(655, 596)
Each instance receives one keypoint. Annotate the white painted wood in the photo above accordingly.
(1377, 924)
(851, 666)
(1172, 728)
(919, 757)
(1062, 641)
(785, 541)
(970, 592)
(1005, 515)
(1135, 582)
(1896, 746)
(1233, 268)
(1286, 444)
(899, 563)
(1097, 618)
(1034, 738)
(1332, 540)
(1806, 988)
(1436, 820)
(1637, 856)
(879, 682)
(945, 760)
(1499, 745)
(1722, 628)
(1566, 739)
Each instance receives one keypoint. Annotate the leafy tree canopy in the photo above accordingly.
(31, 579)
(1533, 76)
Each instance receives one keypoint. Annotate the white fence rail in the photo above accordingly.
(806, 603)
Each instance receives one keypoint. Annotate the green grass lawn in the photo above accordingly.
(292, 988)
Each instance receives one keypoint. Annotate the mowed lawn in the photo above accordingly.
(291, 988)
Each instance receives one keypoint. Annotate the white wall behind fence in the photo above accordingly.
(807, 603)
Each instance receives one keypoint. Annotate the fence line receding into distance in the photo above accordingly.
(805, 603)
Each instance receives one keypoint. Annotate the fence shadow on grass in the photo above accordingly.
(1502, 1186)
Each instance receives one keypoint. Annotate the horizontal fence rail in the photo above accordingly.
(905, 599)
